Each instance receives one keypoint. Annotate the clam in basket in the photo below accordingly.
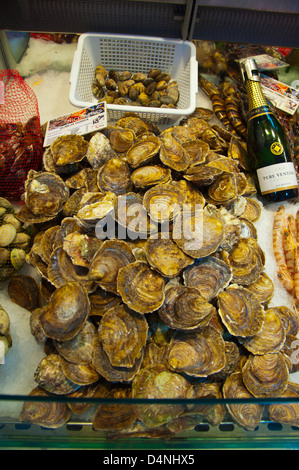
(136, 54)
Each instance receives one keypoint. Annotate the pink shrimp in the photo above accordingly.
(278, 226)
(289, 248)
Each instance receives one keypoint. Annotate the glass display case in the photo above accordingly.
(161, 407)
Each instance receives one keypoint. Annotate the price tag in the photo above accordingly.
(80, 122)
(1, 92)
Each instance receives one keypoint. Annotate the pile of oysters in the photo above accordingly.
(130, 308)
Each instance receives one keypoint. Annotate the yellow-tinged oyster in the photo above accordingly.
(115, 176)
(240, 311)
(290, 319)
(247, 415)
(51, 378)
(158, 382)
(209, 275)
(50, 414)
(198, 353)
(165, 256)
(247, 262)
(223, 190)
(149, 175)
(172, 153)
(252, 210)
(286, 413)
(121, 139)
(197, 151)
(270, 339)
(213, 413)
(79, 349)
(94, 207)
(164, 201)
(45, 195)
(107, 261)
(66, 312)
(232, 361)
(267, 375)
(123, 335)
(134, 123)
(111, 373)
(202, 175)
(140, 287)
(68, 149)
(184, 308)
(143, 150)
(262, 288)
(238, 151)
(198, 233)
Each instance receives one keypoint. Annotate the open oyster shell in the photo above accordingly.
(240, 311)
(123, 335)
(246, 415)
(198, 353)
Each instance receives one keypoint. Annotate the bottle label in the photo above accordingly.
(278, 177)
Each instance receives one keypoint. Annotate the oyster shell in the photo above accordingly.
(51, 378)
(143, 151)
(286, 413)
(79, 349)
(163, 201)
(198, 353)
(99, 150)
(115, 416)
(24, 291)
(262, 288)
(140, 287)
(149, 175)
(123, 335)
(158, 382)
(240, 311)
(209, 275)
(115, 176)
(132, 218)
(81, 248)
(246, 415)
(271, 338)
(68, 149)
(184, 308)
(165, 256)
(107, 261)
(66, 312)
(246, 261)
(121, 139)
(202, 175)
(266, 376)
(101, 300)
(94, 207)
(49, 414)
(172, 152)
(197, 151)
(80, 374)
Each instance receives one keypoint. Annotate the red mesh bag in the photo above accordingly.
(21, 140)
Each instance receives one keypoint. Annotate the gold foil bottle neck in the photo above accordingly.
(256, 97)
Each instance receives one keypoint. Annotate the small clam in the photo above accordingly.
(7, 234)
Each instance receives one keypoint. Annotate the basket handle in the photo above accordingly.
(194, 76)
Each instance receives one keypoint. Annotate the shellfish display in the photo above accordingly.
(153, 282)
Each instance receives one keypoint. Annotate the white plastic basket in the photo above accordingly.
(137, 54)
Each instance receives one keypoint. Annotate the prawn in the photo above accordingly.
(278, 226)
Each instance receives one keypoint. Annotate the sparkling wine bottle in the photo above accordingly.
(267, 145)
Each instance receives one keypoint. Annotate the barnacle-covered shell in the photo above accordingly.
(115, 176)
(140, 287)
(99, 150)
(154, 383)
(79, 349)
(143, 150)
(163, 201)
(246, 260)
(267, 375)
(149, 175)
(247, 415)
(271, 338)
(198, 233)
(240, 311)
(107, 261)
(49, 414)
(164, 255)
(209, 275)
(66, 313)
(45, 195)
(68, 149)
(81, 248)
(198, 353)
(184, 308)
(50, 376)
(24, 291)
(123, 335)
